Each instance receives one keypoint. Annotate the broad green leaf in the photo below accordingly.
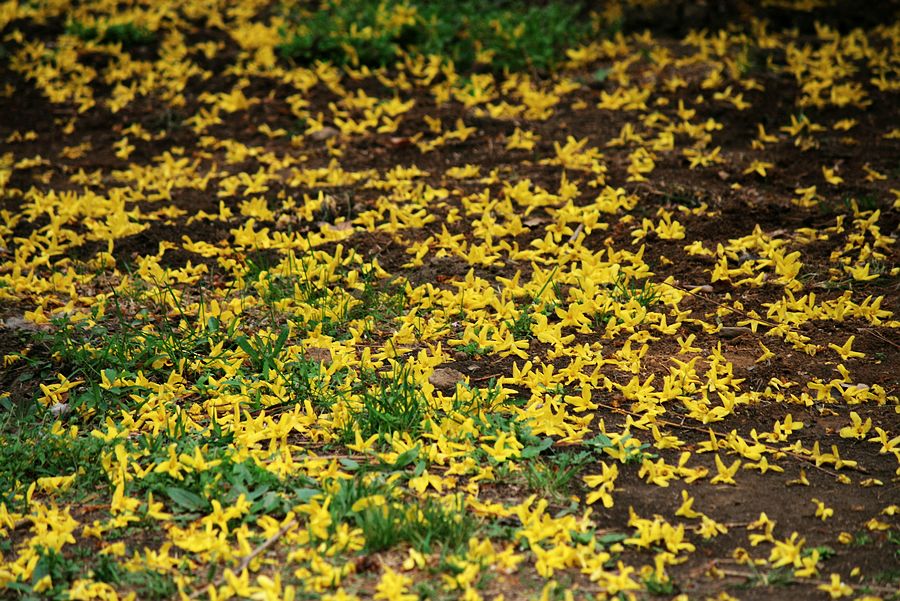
(186, 499)
(535, 450)
(406, 457)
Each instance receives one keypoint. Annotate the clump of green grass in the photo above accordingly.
(64, 569)
(28, 451)
(306, 379)
(394, 405)
(660, 587)
(263, 352)
(645, 294)
(128, 34)
(625, 290)
(520, 326)
(292, 278)
(553, 477)
(424, 527)
(390, 521)
(113, 346)
(501, 35)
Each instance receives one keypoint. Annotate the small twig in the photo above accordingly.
(265, 545)
(575, 234)
(762, 321)
(664, 422)
(367, 460)
(880, 337)
(351, 456)
(816, 581)
(695, 527)
(250, 557)
(481, 378)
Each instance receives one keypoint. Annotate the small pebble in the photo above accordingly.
(729, 332)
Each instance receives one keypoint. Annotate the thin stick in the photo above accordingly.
(575, 234)
(880, 337)
(479, 379)
(250, 557)
(761, 320)
(695, 527)
(265, 545)
(815, 581)
(665, 422)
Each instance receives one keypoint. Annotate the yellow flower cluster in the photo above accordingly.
(410, 332)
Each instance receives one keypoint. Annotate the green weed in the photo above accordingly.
(118, 345)
(128, 34)
(520, 326)
(352, 490)
(476, 403)
(263, 352)
(83, 563)
(149, 585)
(825, 552)
(29, 451)
(293, 278)
(625, 290)
(61, 570)
(894, 538)
(552, 478)
(889, 577)
(658, 587)
(381, 301)
(425, 527)
(473, 349)
(395, 404)
(633, 453)
(307, 380)
(501, 35)
(861, 539)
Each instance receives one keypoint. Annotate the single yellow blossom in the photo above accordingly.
(822, 511)
(836, 589)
